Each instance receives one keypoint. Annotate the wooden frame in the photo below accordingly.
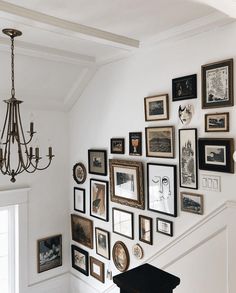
(123, 223)
(184, 88)
(165, 227)
(156, 107)
(79, 199)
(117, 146)
(137, 251)
(82, 230)
(97, 162)
(146, 229)
(97, 269)
(79, 173)
(192, 203)
(135, 143)
(120, 255)
(217, 122)
(102, 242)
(79, 259)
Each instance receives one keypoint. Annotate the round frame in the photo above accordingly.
(137, 251)
(121, 263)
(79, 173)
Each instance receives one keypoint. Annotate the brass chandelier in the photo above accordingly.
(16, 156)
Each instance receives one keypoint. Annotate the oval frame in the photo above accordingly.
(137, 251)
(118, 265)
(79, 165)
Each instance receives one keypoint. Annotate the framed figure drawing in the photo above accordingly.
(79, 260)
(135, 143)
(156, 108)
(97, 162)
(82, 230)
(120, 255)
(145, 229)
(123, 223)
(191, 202)
(217, 122)
(184, 88)
(79, 199)
(102, 242)
(117, 145)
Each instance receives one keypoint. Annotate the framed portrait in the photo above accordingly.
(82, 230)
(102, 242)
(126, 183)
(217, 84)
(160, 142)
(188, 169)
(97, 269)
(79, 260)
(79, 199)
(117, 145)
(191, 202)
(216, 154)
(162, 189)
(217, 122)
(99, 199)
(79, 173)
(135, 143)
(123, 223)
(156, 108)
(145, 229)
(120, 255)
(165, 227)
(184, 88)
(49, 253)
(97, 162)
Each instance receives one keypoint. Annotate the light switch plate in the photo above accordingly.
(211, 182)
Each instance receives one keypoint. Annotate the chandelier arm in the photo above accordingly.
(49, 163)
(31, 134)
(5, 122)
(7, 148)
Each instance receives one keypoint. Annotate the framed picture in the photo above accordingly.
(82, 230)
(99, 199)
(137, 251)
(97, 162)
(123, 223)
(102, 242)
(79, 173)
(145, 229)
(49, 253)
(117, 145)
(216, 154)
(184, 88)
(191, 202)
(217, 122)
(79, 199)
(135, 143)
(160, 142)
(79, 260)
(97, 269)
(126, 183)
(162, 189)
(156, 108)
(217, 84)
(188, 170)
(120, 255)
(165, 227)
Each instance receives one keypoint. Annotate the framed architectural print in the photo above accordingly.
(156, 108)
(191, 202)
(217, 84)
(188, 170)
(162, 189)
(117, 145)
(82, 230)
(102, 242)
(79, 173)
(184, 88)
(135, 143)
(217, 122)
(99, 199)
(97, 161)
(79, 199)
(120, 255)
(123, 223)
(97, 269)
(145, 229)
(79, 260)
(165, 227)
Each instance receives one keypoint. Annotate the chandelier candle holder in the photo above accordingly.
(16, 156)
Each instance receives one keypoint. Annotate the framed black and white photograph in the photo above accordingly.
(217, 84)
(145, 229)
(135, 143)
(82, 230)
(117, 145)
(79, 199)
(102, 242)
(162, 189)
(217, 122)
(79, 173)
(188, 170)
(191, 202)
(165, 227)
(97, 269)
(80, 260)
(156, 108)
(184, 88)
(99, 199)
(97, 162)
(122, 223)
(216, 154)
(160, 142)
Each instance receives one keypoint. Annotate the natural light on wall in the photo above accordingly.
(4, 253)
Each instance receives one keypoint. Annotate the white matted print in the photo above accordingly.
(122, 223)
(79, 199)
(215, 155)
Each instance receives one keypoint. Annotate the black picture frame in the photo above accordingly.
(80, 260)
(102, 238)
(146, 233)
(184, 88)
(79, 199)
(117, 146)
(117, 221)
(97, 162)
(135, 143)
(79, 173)
(165, 227)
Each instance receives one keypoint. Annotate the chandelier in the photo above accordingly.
(16, 155)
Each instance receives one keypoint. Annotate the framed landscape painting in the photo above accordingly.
(82, 230)
(156, 108)
(184, 88)
(191, 202)
(217, 122)
(97, 162)
(79, 260)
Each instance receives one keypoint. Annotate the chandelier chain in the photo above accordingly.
(12, 68)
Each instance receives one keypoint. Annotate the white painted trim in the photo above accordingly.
(14, 196)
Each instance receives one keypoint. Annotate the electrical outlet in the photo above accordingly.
(211, 182)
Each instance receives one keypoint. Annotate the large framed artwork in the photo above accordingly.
(79, 260)
(145, 229)
(162, 189)
(156, 108)
(120, 255)
(102, 242)
(82, 230)
(123, 223)
(97, 162)
(217, 122)
(184, 88)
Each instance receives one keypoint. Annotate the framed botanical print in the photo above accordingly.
(156, 108)
(79, 199)
(123, 223)
(165, 227)
(82, 230)
(79, 260)
(135, 143)
(97, 161)
(97, 269)
(217, 122)
(120, 255)
(99, 199)
(184, 88)
(79, 173)
(191, 202)
(102, 242)
(145, 229)
(117, 145)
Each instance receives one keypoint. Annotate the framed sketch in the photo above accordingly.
(79, 173)
(79, 199)
(120, 255)
(137, 251)
(216, 154)
(79, 260)
(160, 142)
(82, 230)
(156, 108)
(191, 202)
(49, 253)
(162, 189)
(117, 145)
(217, 84)
(102, 242)
(165, 227)
(184, 88)
(99, 199)
(123, 223)
(145, 229)
(97, 269)
(188, 170)
(97, 161)
(126, 183)
(217, 122)
(135, 143)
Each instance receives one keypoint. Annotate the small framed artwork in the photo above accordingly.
(97, 162)
(165, 227)
(79, 173)
(188, 171)
(145, 229)
(99, 199)
(191, 202)
(79, 199)
(162, 189)
(216, 154)
(217, 122)
(79, 260)
(82, 230)
(120, 255)
(117, 145)
(160, 142)
(49, 253)
(123, 223)
(135, 143)
(97, 269)
(156, 108)
(217, 84)
(102, 242)
(137, 251)
(184, 88)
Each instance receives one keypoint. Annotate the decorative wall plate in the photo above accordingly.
(79, 173)
(137, 251)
